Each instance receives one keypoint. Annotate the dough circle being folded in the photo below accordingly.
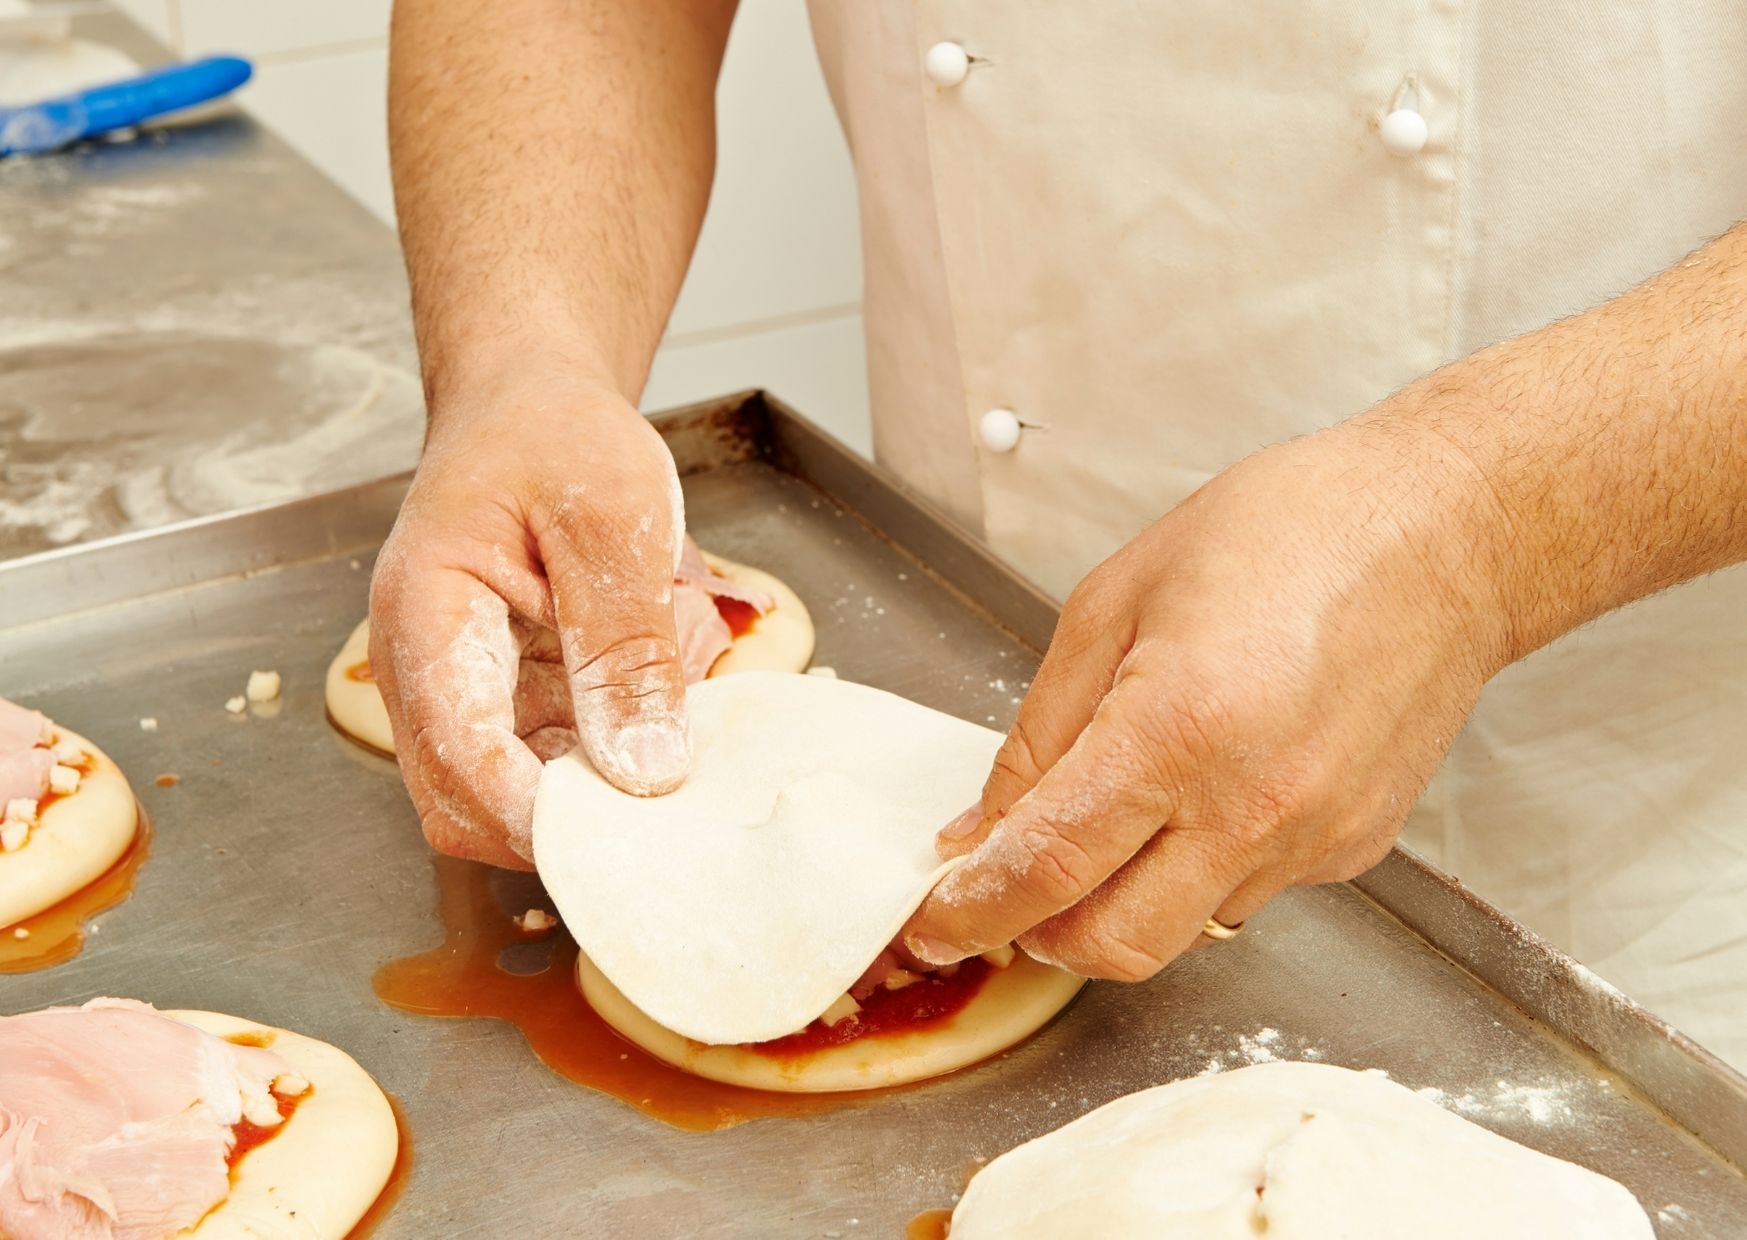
(1293, 1151)
(738, 908)
(76, 839)
(324, 1170)
(1014, 1003)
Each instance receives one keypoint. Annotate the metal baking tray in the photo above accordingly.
(288, 866)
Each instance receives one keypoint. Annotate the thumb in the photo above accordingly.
(613, 599)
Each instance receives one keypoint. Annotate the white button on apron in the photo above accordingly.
(1404, 132)
(999, 430)
(947, 63)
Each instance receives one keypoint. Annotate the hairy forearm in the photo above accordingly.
(552, 161)
(1607, 453)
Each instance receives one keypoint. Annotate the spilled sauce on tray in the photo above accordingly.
(486, 966)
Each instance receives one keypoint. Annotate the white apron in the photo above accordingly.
(1168, 234)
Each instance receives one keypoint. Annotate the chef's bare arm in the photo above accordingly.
(552, 160)
(1252, 693)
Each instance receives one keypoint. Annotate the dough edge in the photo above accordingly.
(75, 842)
(1012, 1005)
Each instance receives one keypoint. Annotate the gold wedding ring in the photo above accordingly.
(1218, 930)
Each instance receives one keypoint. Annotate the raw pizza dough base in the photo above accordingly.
(356, 706)
(315, 1179)
(1293, 1151)
(740, 906)
(75, 841)
(781, 641)
(1014, 1003)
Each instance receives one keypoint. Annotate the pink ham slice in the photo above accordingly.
(115, 1121)
(24, 773)
(19, 728)
(703, 634)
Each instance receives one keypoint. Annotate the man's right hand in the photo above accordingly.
(541, 505)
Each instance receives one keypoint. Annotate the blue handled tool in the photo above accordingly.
(47, 126)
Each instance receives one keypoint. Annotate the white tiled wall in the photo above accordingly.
(774, 295)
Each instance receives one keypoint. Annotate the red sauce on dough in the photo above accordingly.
(58, 932)
(920, 1005)
(250, 1135)
(467, 976)
(361, 672)
(739, 616)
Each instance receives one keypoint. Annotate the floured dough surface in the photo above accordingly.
(1292, 1151)
(356, 705)
(1011, 1005)
(76, 838)
(781, 640)
(318, 1176)
(737, 908)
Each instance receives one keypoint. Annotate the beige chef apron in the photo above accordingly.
(1166, 234)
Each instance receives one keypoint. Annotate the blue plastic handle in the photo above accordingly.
(53, 123)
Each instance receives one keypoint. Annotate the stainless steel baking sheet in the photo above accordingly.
(288, 866)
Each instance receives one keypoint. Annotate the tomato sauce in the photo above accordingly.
(929, 1225)
(469, 974)
(740, 617)
(250, 1135)
(361, 672)
(923, 1004)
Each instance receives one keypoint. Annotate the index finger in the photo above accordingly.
(1084, 818)
(446, 660)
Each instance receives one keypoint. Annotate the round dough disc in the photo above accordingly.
(1012, 1004)
(356, 705)
(1295, 1151)
(76, 838)
(323, 1172)
(781, 641)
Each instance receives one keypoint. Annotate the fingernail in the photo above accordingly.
(965, 824)
(933, 951)
(651, 757)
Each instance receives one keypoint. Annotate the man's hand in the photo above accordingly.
(1248, 696)
(548, 506)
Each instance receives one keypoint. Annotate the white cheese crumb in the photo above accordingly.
(68, 754)
(263, 686)
(237, 705)
(148, 724)
(1000, 957)
(20, 809)
(13, 835)
(535, 920)
(841, 1009)
(48, 733)
(897, 979)
(63, 780)
(290, 1085)
(20, 932)
(830, 673)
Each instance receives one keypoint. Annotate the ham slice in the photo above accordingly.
(25, 773)
(116, 1121)
(703, 634)
(19, 728)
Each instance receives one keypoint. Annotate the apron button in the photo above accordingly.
(1404, 132)
(946, 63)
(999, 430)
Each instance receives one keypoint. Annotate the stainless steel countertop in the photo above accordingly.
(288, 865)
(191, 321)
